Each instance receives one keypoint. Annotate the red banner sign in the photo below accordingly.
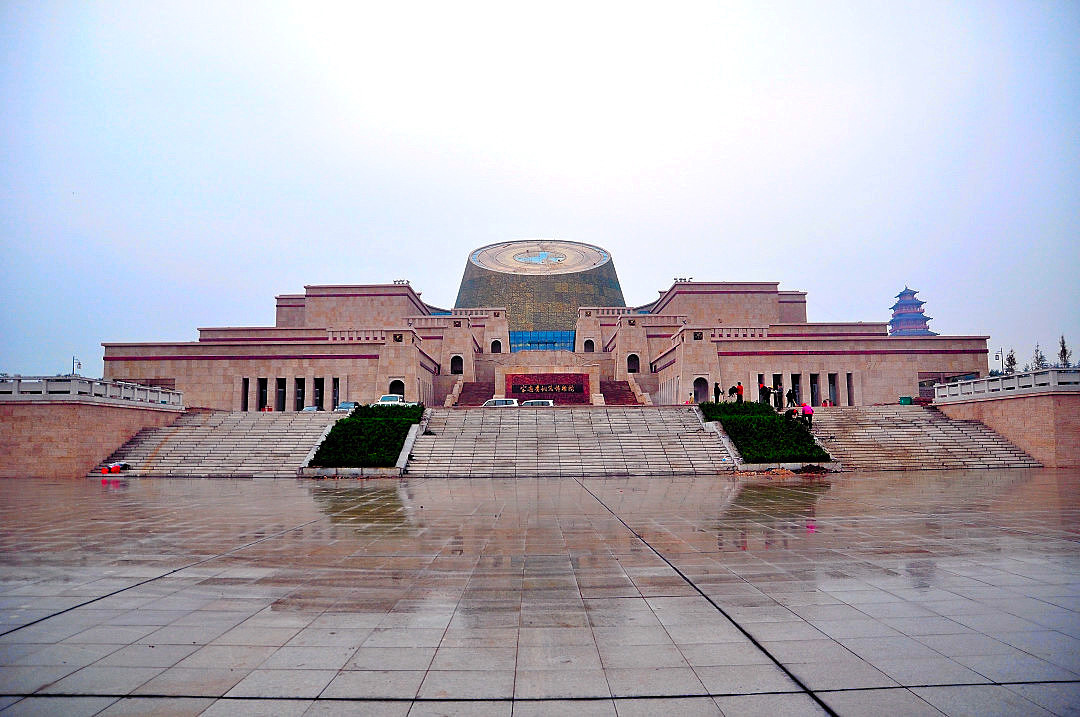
(562, 388)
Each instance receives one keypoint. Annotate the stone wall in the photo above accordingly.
(66, 439)
(1046, 425)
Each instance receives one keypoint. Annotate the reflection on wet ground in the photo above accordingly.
(902, 593)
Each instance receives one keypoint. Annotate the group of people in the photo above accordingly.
(735, 392)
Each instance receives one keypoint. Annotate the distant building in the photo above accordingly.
(908, 318)
(547, 319)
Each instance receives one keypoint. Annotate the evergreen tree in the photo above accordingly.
(1010, 362)
(1038, 359)
(1064, 354)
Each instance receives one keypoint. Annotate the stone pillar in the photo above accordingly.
(253, 393)
(290, 392)
(309, 390)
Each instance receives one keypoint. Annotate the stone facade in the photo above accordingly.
(354, 343)
(1046, 426)
(66, 439)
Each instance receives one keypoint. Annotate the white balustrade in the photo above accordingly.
(63, 388)
(1030, 382)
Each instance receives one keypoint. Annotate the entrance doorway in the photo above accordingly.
(263, 397)
(701, 390)
(397, 386)
(633, 364)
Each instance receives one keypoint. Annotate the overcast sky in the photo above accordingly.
(167, 166)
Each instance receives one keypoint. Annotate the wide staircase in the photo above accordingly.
(475, 393)
(618, 393)
(911, 438)
(574, 441)
(221, 444)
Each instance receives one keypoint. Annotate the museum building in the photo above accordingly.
(545, 319)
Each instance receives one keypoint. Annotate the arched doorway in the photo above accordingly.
(496, 347)
(701, 390)
(397, 386)
(633, 364)
(457, 365)
(589, 346)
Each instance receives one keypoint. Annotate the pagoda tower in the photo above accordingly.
(908, 318)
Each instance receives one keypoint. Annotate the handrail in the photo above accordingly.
(1030, 382)
(58, 388)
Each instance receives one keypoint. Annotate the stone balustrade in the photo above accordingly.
(354, 335)
(1051, 380)
(727, 333)
(66, 388)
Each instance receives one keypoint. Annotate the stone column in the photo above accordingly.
(290, 391)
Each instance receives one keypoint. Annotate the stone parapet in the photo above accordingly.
(1053, 380)
(37, 389)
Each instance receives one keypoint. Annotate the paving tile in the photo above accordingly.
(282, 683)
(159, 706)
(67, 706)
(984, 701)
(873, 703)
(193, 681)
(683, 706)
(102, 681)
(377, 684)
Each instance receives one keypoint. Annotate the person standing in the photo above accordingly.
(791, 397)
(716, 392)
(738, 392)
(762, 392)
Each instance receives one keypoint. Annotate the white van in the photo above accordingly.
(537, 402)
(500, 403)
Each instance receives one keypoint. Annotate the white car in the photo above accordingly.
(392, 399)
(537, 402)
(500, 403)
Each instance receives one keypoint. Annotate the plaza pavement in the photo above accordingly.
(892, 593)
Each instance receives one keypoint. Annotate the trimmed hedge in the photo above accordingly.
(368, 437)
(716, 411)
(411, 413)
(772, 439)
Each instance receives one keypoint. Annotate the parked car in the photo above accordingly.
(346, 406)
(535, 402)
(310, 409)
(500, 403)
(392, 399)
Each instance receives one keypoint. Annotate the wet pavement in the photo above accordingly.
(888, 593)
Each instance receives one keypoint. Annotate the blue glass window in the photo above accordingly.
(541, 341)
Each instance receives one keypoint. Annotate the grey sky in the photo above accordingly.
(167, 166)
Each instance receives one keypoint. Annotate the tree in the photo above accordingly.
(1064, 354)
(1010, 362)
(1038, 359)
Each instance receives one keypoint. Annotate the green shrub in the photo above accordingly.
(772, 439)
(412, 413)
(368, 437)
(715, 411)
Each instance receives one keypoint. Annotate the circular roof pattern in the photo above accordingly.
(539, 257)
